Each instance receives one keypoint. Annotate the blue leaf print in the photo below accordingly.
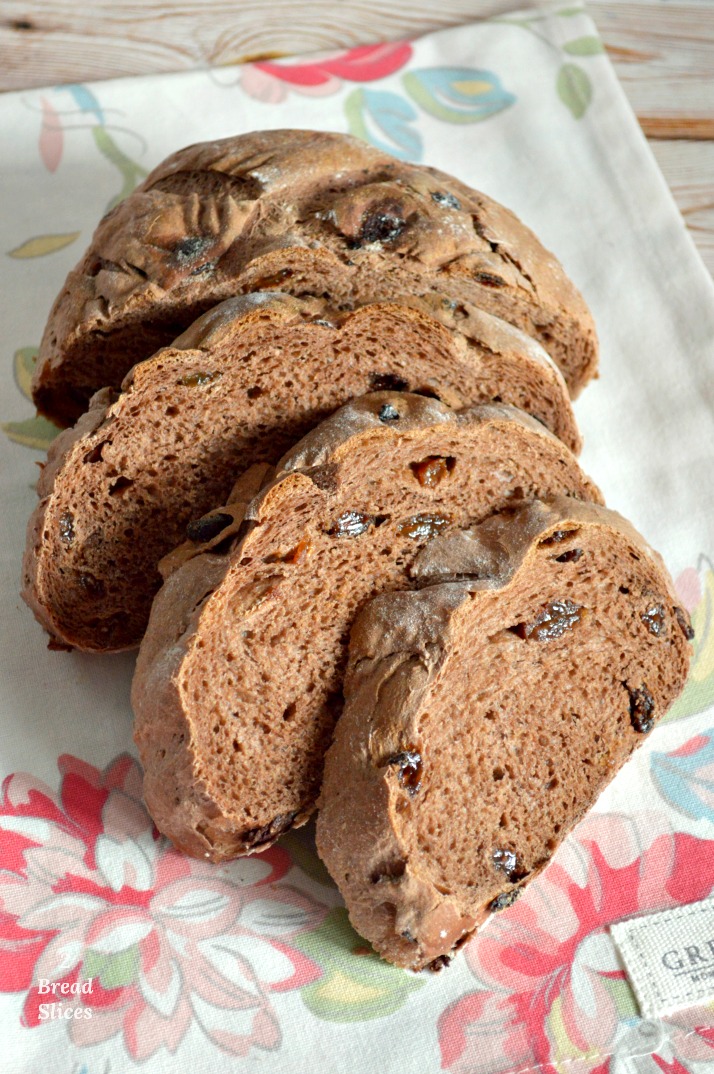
(86, 100)
(376, 115)
(685, 777)
(457, 94)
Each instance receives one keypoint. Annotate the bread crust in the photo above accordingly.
(402, 653)
(304, 212)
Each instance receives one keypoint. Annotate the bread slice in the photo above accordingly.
(306, 212)
(238, 681)
(483, 717)
(240, 385)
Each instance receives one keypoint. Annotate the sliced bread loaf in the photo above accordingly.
(238, 681)
(299, 211)
(241, 385)
(483, 717)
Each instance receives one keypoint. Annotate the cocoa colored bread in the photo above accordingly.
(483, 717)
(305, 212)
(238, 680)
(241, 385)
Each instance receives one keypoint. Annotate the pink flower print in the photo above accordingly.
(89, 890)
(551, 987)
(325, 73)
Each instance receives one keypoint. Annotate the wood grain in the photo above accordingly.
(688, 168)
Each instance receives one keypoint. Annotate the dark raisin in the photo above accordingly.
(684, 624)
(197, 380)
(431, 471)
(191, 248)
(406, 935)
(383, 226)
(505, 899)
(409, 770)
(422, 527)
(655, 620)
(449, 200)
(255, 837)
(439, 964)
(642, 708)
(571, 556)
(556, 537)
(205, 529)
(387, 413)
(507, 862)
(488, 279)
(387, 382)
(66, 527)
(388, 870)
(353, 523)
(551, 622)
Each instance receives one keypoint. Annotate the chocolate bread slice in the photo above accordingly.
(238, 681)
(305, 212)
(483, 717)
(241, 385)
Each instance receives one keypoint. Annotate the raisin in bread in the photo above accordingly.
(304, 212)
(483, 717)
(241, 385)
(238, 681)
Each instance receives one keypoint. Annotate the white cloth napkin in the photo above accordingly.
(252, 966)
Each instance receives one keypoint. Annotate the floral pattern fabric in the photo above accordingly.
(117, 953)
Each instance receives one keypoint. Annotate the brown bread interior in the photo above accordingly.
(236, 700)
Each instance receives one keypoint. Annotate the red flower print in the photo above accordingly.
(324, 74)
(89, 890)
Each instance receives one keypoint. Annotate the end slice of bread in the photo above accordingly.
(484, 716)
(310, 213)
(238, 681)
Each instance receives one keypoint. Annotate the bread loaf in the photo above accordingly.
(238, 681)
(304, 212)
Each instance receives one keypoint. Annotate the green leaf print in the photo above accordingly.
(584, 46)
(357, 985)
(113, 970)
(574, 89)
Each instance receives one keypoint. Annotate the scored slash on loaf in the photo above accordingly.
(512, 640)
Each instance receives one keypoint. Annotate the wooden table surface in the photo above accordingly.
(662, 50)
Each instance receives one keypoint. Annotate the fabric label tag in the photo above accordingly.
(669, 957)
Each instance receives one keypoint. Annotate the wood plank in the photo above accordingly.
(663, 52)
(688, 168)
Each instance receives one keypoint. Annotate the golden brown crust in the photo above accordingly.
(303, 212)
